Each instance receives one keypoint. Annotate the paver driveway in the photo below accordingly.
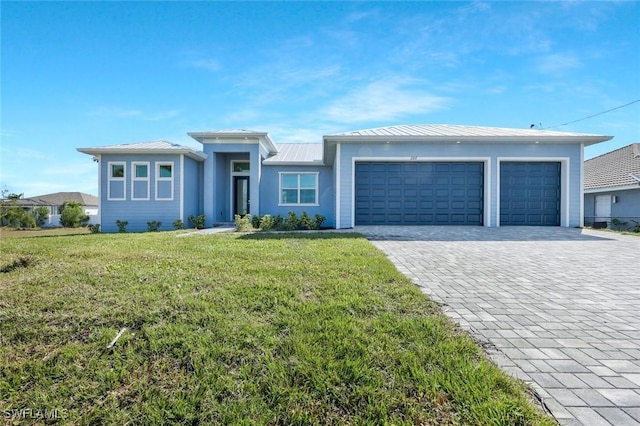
(556, 307)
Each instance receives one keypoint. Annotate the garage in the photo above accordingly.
(530, 193)
(419, 193)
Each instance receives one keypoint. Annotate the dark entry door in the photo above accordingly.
(241, 200)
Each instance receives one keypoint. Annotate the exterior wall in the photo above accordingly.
(192, 189)
(625, 209)
(217, 178)
(139, 212)
(270, 193)
(492, 153)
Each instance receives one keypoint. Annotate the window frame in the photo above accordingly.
(298, 174)
(135, 179)
(111, 178)
(165, 179)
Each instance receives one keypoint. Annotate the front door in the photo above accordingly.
(603, 208)
(241, 200)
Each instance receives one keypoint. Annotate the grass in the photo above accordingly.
(235, 329)
(6, 232)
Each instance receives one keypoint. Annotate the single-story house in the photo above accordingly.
(397, 175)
(54, 203)
(612, 187)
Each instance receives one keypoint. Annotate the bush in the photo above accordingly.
(178, 224)
(94, 229)
(255, 221)
(153, 225)
(277, 222)
(305, 222)
(41, 214)
(122, 225)
(266, 223)
(291, 222)
(319, 220)
(243, 223)
(72, 216)
(197, 221)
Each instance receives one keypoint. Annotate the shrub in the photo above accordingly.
(255, 221)
(291, 222)
(122, 225)
(197, 221)
(72, 216)
(41, 214)
(94, 229)
(153, 225)
(266, 222)
(305, 222)
(319, 219)
(178, 224)
(243, 223)
(277, 222)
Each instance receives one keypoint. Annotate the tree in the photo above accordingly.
(72, 216)
(41, 214)
(12, 214)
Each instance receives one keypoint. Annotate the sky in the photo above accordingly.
(86, 74)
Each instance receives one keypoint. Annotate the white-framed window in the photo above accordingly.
(299, 189)
(116, 181)
(164, 180)
(140, 180)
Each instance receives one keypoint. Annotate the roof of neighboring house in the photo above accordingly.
(59, 198)
(297, 153)
(444, 132)
(153, 147)
(617, 168)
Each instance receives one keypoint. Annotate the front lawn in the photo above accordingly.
(235, 329)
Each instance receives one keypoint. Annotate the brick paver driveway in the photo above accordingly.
(556, 307)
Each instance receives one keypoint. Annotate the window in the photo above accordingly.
(116, 181)
(140, 181)
(164, 181)
(241, 167)
(299, 188)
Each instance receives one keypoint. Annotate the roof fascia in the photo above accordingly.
(586, 139)
(611, 189)
(195, 155)
(226, 137)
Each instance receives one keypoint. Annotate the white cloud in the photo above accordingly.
(116, 112)
(557, 63)
(384, 100)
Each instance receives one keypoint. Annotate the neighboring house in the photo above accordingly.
(55, 201)
(399, 175)
(612, 187)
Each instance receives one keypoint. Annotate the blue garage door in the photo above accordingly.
(391, 193)
(530, 193)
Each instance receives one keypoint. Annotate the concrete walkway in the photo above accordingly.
(558, 308)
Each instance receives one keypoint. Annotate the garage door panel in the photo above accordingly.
(419, 193)
(530, 193)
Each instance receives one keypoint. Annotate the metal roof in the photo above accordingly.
(152, 147)
(452, 131)
(214, 135)
(614, 169)
(297, 153)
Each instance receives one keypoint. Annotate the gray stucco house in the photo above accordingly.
(397, 175)
(612, 187)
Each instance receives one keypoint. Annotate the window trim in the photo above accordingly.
(111, 178)
(298, 174)
(165, 179)
(135, 179)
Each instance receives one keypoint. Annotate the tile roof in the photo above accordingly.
(452, 130)
(297, 153)
(59, 198)
(614, 169)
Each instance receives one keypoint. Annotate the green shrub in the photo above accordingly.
(243, 223)
(197, 221)
(255, 221)
(291, 222)
(178, 224)
(277, 222)
(153, 225)
(122, 225)
(94, 229)
(266, 222)
(305, 222)
(72, 216)
(41, 214)
(319, 219)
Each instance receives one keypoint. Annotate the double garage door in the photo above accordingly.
(452, 193)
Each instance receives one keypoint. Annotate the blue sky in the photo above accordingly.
(100, 73)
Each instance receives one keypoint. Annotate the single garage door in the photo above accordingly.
(530, 193)
(417, 193)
